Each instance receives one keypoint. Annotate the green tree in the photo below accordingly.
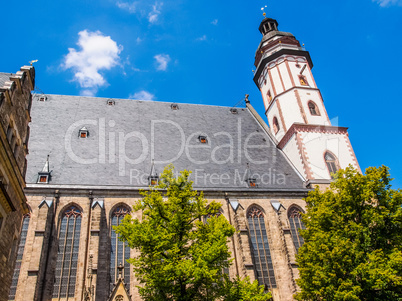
(181, 256)
(352, 248)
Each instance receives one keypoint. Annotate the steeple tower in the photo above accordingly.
(295, 109)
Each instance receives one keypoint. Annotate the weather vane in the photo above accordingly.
(263, 9)
(33, 61)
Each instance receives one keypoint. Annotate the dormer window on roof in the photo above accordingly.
(174, 106)
(44, 175)
(110, 102)
(252, 182)
(42, 98)
(83, 133)
(203, 139)
(234, 111)
(43, 179)
(153, 180)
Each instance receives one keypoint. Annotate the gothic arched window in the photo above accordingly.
(296, 224)
(260, 248)
(331, 162)
(20, 253)
(120, 250)
(67, 253)
(313, 109)
(209, 215)
(276, 125)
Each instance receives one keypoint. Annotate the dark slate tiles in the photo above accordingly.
(124, 138)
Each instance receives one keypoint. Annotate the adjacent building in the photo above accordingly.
(15, 106)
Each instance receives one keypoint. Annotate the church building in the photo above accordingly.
(89, 158)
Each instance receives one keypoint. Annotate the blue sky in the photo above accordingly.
(203, 52)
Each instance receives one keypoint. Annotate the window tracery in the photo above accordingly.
(313, 109)
(296, 224)
(331, 162)
(260, 248)
(20, 253)
(120, 250)
(67, 254)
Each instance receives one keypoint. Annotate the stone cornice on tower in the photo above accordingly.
(268, 58)
(311, 128)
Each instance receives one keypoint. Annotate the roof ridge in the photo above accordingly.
(140, 100)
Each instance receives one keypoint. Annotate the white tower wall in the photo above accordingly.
(290, 95)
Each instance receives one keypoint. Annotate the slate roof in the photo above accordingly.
(4, 77)
(125, 137)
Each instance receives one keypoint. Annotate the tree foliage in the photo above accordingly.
(352, 248)
(181, 256)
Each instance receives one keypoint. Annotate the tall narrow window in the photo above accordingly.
(276, 125)
(225, 270)
(330, 160)
(20, 253)
(269, 96)
(295, 225)
(1, 220)
(260, 248)
(67, 254)
(313, 109)
(120, 251)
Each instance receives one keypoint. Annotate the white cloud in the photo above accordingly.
(143, 8)
(139, 40)
(97, 52)
(162, 60)
(142, 95)
(203, 38)
(384, 3)
(88, 92)
(130, 7)
(156, 11)
(214, 22)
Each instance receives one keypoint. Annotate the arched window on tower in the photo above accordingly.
(269, 96)
(120, 250)
(67, 253)
(20, 253)
(296, 224)
(260, 248)
(275, 125)
(332, 163)
(313, 109)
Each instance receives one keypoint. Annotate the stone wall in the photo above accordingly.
(15, 104)
(38, 268)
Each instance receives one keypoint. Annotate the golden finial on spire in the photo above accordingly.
(264, 13)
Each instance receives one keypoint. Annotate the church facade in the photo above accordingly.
(90, 157)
